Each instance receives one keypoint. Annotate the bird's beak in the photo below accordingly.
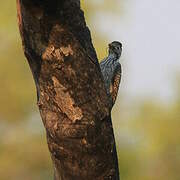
(109, 45)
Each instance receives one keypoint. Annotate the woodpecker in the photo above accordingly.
(111, 70)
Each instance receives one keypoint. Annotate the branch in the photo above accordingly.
(71, 95)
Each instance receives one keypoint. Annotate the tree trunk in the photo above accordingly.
(71, 95)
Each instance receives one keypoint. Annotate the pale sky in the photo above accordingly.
(150, 33)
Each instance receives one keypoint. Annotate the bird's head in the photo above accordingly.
(115, 48)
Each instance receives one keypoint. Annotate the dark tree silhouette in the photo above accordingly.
(71, 95)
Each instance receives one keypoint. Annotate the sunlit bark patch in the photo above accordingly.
(51, 53)
(67, 50)
(65, 101)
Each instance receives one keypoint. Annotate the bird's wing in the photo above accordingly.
(115, 83)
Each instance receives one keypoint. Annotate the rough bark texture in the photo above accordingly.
(71, 95)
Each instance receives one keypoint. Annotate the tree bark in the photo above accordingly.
(71, 95)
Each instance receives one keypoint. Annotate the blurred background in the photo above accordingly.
(146, 117)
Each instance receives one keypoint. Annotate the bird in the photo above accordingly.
(111, 70)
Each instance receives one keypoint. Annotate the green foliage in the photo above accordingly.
(149, 143)
(17, 88)
(24, 157)
(92, 10)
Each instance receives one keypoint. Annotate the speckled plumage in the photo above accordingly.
(111, 70)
